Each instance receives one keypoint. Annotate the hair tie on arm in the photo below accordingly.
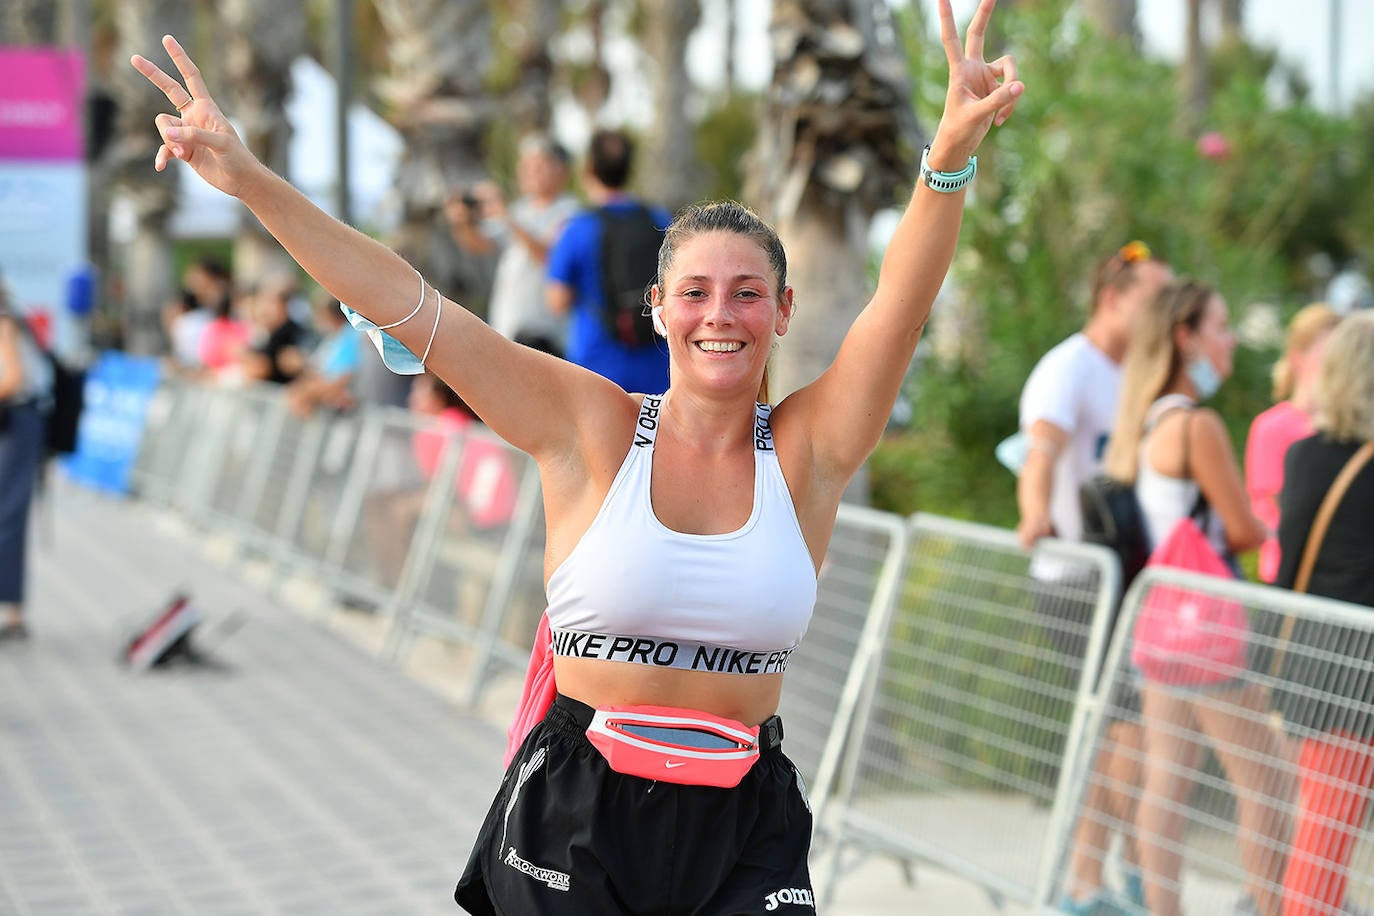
(438, 310)
(413, 312)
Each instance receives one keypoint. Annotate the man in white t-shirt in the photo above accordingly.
(523, 232)
(1068, 407)
(1069, 403)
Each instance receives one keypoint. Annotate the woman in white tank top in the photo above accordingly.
(567, 835)
(1174, 451)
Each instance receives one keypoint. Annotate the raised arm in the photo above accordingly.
(874, 356)
(536, 402)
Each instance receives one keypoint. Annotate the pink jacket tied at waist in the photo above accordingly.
(539, 691)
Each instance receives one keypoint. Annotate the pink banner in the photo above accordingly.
(41, 96)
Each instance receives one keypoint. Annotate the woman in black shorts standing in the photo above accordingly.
(684, 529)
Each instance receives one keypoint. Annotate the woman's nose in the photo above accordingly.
(718, 311)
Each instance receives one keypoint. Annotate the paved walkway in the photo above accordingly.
(298, 775)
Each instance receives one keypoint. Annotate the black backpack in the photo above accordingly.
(68, 397)
(68, 400)
(630, 239)
(1112, 517)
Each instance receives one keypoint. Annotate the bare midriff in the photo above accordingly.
(747, 698)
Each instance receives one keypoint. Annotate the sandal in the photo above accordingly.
(14, 632)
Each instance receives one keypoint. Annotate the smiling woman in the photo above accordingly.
(683, 528)
(721, 288)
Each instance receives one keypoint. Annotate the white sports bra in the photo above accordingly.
(634, 590)
(1165, 500)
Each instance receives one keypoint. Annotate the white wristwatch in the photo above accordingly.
(947, 182)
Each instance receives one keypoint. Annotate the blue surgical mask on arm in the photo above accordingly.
(394, 354)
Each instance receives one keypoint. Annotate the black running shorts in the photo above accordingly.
(568, 835)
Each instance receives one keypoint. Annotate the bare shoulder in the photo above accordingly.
(576, 480)
(795, 437)
(605, 429)
(1206, 426)
(1208, 437)
(791, 423)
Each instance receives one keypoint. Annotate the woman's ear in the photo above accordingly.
(655, 302)
(1185, 342)
(787, 306)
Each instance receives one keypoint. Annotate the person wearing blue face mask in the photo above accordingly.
(1181, 461)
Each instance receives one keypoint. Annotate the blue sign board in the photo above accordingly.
(119, 388)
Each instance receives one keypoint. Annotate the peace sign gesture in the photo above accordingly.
(198, 134)
(981, 93)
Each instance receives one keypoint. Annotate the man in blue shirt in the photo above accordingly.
(574, 275)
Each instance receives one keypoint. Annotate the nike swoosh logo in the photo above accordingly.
(669, 764)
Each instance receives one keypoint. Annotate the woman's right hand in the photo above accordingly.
(198, 134)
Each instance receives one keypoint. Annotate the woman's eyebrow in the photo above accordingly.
(702, 278)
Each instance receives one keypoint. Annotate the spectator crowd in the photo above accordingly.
(1113, 422)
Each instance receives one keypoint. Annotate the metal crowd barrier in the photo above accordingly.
(968, 706)
(341, 499)
(950, 695)
(1257, 763)
(859, 579)
(473, 577)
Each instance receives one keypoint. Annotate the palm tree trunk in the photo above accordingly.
(439, 53)
(830, 153)
(529, 103)
(261, 39)
(1196, 89)
(1114, 18)
(148, 280)
(29, 22)
(670, 166)
(1232, 21)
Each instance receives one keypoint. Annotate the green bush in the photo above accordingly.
(1095, 156)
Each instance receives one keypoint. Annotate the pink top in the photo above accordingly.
(1270, 436)
(222, 342)
(486, 478)
(538, 693)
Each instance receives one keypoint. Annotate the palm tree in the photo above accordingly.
(834, 146)
(438, 56)
(1232, 20)
(533, 25)
(261, 39)
(669, 166)
(1196, 84)
(28, 22)
(139, 26)
(1115, 18)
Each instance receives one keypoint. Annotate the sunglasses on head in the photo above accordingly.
(1134, 252)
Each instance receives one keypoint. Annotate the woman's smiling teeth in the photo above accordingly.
(719, 346)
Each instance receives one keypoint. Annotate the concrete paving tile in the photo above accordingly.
(274, 785)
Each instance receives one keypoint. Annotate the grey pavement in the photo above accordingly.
(296, 775)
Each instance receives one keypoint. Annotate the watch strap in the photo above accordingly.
(947, 182)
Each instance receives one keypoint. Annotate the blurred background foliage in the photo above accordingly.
(1099, 153)
(1104, 148)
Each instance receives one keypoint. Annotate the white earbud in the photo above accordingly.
(656, 314)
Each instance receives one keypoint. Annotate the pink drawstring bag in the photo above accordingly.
(538, 694)
(1183, 638)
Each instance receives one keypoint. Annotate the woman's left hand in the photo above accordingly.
(981, 93)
